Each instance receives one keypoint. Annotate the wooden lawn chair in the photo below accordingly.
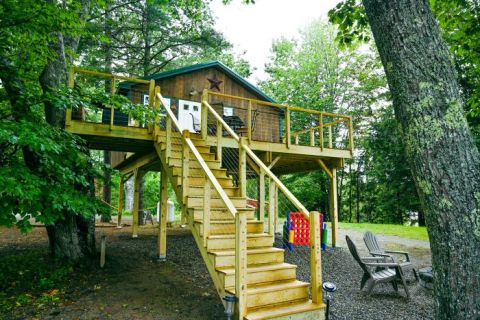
(376, 250)
(377, 272)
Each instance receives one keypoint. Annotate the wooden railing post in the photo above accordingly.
(271, 207)
(162, 224)
(120, 202)
(157, 103)
(206, 210)
(241, 262)
(315, 258)
(204, 116)
(242, 168)
(249, 122)
(261, 195)
(312, 137)
(330, 137)
(219, 140)
(185, 174)
(321, 131)
(287, 126)
(112, 109)
(71, 84)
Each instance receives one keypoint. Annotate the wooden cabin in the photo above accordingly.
(211, 132)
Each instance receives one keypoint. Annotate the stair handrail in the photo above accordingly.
(208, 173)
(259, 162)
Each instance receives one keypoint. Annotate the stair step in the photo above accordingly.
(257, 274)
(197, 201)
(178, 147)
(198, 191)
(274, 293)
(197, 180)
(228, 226)
(212, 164)
(198, 171)
(227, 241)
(257, 256)
(206, 156)
(313, 311)
(219, 213)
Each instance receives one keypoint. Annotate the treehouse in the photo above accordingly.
(223, 144)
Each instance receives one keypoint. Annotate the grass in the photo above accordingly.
(416, 233)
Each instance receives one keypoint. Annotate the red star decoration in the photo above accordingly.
(215, 83)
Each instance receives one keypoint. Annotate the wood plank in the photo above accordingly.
(241, 263)
(315, 257)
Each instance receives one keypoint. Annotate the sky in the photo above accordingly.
(252, 28)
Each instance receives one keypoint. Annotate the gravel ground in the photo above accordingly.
(348, 302)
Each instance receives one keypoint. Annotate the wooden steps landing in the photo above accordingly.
(273, 291)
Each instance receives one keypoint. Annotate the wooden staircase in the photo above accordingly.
(273, 291)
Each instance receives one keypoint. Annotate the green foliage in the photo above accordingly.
(31, 278)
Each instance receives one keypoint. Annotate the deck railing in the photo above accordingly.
(324, 129)
(74, 71)
(275, 185)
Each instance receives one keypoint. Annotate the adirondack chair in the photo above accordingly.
(377, 272)
(376, 250)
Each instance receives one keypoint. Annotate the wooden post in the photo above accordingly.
(330, 137)
(321, 131)
(112, 109)
(120, 202)
(162, 224)
(241, 262)
(185, 174)
(271, 208)
(204, 116)
(168, 139)
(157, 107)
(315, 257)
(249, 122)
(136, 191)
(287, 126)
(242, 168)
(151, 102)
(275, 217)
(312, 137)
(261, 195)
(219, 141)
(334, 206)
(71, 84)
(206, 210)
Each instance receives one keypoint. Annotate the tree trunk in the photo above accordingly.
(71, 237)
(443, 157)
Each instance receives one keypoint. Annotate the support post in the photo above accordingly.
(120, 202)
(261, 195)
(275, 217)
(242, 168)
(162, 224)
(185, 174)
(312, 137)
(206, 210)
(249, 122)
(241, 262)
(219, 141)
(204, 116)
(157, 110)
(168, 139)
(136, 200)
(71, 84)
(287, 126)
(315, 257)
(271, 208)
(151, 102)
(334, 206)
(321, 131)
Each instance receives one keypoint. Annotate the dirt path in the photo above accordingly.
(134, 285)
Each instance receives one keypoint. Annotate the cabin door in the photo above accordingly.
(189, 115)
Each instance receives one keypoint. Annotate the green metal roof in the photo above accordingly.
(200, 66)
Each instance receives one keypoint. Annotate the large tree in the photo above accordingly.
(439, 146)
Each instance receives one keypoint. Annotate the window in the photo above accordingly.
(186, 107)
(195, 108)
(228, 111)
(146, 100)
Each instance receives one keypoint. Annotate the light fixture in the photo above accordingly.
(229, 306)
(329, 287)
